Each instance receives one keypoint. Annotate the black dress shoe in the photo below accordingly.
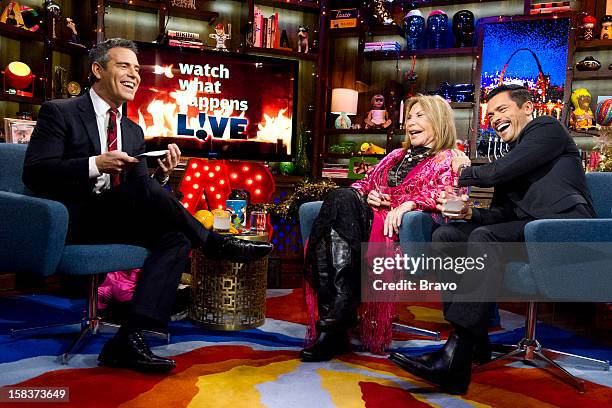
(327, 346)
(450, 367)
(128, 349)
(236, 250)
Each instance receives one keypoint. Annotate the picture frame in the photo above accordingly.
(18, 130)
(529, 50)
(359, 166)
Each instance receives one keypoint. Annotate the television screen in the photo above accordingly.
(216, 104)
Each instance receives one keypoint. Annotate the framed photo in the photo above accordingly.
(359, 166)
(531, 51)
(18, 130)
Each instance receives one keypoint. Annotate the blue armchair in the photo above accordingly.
(33, 235)
(545, 276)
(416, 227)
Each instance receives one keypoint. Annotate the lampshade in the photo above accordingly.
(344, 100)
(18, 75)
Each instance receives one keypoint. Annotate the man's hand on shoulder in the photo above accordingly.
(114, 162)
(460, 160)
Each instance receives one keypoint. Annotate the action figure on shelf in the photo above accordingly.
(302, 39)
(220, 37)
(377, 117)
(606, 28)
(74, 35)
(582, 117)
(588, 27)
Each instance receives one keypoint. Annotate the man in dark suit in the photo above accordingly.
(82, 153)
(541, 177)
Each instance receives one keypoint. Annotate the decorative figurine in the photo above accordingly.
(302, 39)
(588, 27)
(437, 26)
(463, 28)
(74, 36)
(220, 37)
(284, 40)
(190, 4)
(380, 13)
(377, 117)
(588, 64)
(582, 117)
(606, 28)
(53, 12)
(414, 28)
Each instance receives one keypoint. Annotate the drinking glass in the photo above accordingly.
(258, 222)
(454, 204)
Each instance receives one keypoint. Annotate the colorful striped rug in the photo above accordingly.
(261, 368)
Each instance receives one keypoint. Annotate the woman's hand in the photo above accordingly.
(376, 199)
(394, 218)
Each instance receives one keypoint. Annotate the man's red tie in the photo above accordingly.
(111, 136)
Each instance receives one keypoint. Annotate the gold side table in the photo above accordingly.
(228, 295)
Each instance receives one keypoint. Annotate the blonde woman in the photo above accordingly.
(371, 210)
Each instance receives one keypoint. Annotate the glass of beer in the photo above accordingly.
(221, 221)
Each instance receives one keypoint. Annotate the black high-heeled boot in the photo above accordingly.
(336, 299)
(328, 345)
(449, 367)
(343, 308)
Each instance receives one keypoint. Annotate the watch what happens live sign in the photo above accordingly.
(215, 104)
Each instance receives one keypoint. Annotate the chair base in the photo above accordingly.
(415, 330)
(531, 352)
(86, 328)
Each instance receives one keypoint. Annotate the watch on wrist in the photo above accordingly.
(163, 181)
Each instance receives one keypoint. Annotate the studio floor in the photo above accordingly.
(261, 368)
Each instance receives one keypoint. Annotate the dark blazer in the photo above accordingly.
(541, 176)
(66, 135)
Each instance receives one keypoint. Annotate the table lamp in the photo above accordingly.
(344, 102)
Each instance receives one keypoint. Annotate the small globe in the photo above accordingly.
(603, 113)
(286, 168)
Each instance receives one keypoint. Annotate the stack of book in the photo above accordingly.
(334, 170)
(184, 39)
(265, 30)
(382, 46)
(549, 7)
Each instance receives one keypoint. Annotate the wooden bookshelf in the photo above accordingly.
(593, 45)
(603, 73)
(424, 53)
(16, 33)
(297, 5)
(275, 52)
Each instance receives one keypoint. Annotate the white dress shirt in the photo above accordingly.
(102, 108)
